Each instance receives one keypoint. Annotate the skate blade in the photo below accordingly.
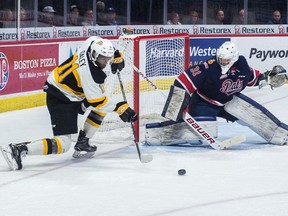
(82, 154)
(6, 152)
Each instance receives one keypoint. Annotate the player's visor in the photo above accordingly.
(103, 59)
(224, 62)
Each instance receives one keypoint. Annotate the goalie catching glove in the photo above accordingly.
(275, 77)
(125, 112)
(117, 63)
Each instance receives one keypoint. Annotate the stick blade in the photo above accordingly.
(232, 141)
(146, 158)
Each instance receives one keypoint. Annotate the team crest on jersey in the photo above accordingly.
(195, 71)
(211, 61)
(229, 87)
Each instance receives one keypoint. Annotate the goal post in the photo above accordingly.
(152, 62)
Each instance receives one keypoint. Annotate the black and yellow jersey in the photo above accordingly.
(78, 79)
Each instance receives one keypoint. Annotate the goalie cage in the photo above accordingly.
(152, 62)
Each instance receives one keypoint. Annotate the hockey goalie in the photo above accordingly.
(213, 89)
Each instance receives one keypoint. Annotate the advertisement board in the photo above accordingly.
(263, 52)
(25, 68)
(202, 49)
(62, 32)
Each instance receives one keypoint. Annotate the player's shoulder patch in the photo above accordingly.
(195, 70)
(211, 61)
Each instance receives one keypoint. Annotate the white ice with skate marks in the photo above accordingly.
(248, 179)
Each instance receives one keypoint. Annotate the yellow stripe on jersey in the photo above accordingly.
(45, 146)
(80, 94)
(98, 102)
(100, 113)
(65, 69)
(65, 73)
(59, 146)
(94, 124)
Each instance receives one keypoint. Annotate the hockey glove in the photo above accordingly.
(117, 63)
(275, 77)
(125, 112)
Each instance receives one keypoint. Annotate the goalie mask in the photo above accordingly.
(227, 55)
(101, 52)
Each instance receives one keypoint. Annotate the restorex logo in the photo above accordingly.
(8, 36)
(172, 30)
(136, 30)
(34, 35)
(257, 30)
(4, 71)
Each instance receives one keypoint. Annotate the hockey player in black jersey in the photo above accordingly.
(72, 88)
(214, 89)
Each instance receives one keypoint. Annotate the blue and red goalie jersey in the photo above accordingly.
(213, 86)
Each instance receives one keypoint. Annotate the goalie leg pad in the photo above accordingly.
(258, 118)
(173, 133)
(175, 104)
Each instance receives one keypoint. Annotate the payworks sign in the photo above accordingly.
(202, 49)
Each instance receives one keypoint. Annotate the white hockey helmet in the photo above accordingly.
(227, 55)
(101, 52)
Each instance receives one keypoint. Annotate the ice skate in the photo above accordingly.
(14, 153)
(82, 148)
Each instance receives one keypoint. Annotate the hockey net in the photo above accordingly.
(151, 64)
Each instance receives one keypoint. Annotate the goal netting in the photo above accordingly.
(151, 64)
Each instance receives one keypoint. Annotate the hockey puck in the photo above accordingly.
(181, 172)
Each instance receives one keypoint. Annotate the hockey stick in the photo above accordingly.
(191, 122)
(210, 139)
(143, 158)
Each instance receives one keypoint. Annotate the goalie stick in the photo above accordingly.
(191, 122)
(210, 139)
(142, 158)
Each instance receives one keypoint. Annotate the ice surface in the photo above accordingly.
(248, 179)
